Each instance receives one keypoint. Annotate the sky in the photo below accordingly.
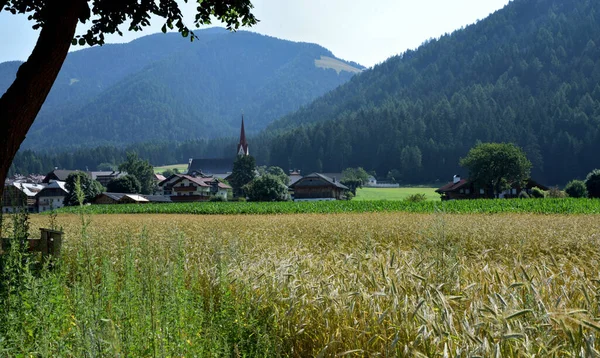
(364, 31)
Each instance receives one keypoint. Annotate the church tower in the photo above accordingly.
(242, 148)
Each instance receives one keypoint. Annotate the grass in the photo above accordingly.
(371, 284)
(181, 167)
(337, 65)
(539, 206)
(395, 193)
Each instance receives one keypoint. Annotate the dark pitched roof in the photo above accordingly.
(243, 145)
(323, 177)
(453, 186)
(211, 166)
(58, 175)
(158, 198)
(114, 196)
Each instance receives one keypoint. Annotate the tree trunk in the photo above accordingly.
(24, 98)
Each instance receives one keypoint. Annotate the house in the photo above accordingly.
(315, 186)
(57, 175)
(106, 177)
(466, 189)
(122, 198)
(183, 187)
(20, 195)
(371, 181)
(294, 176)
(52, 196)
(219, 168)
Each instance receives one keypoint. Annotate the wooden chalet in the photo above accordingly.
(460, 189)
(17, 196)
(185, 188)
(52, 196)
(315, 186)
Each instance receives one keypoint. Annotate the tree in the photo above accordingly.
(267, 187)
(127, 184)
(276, 171)
(497, 165)
(354, 178)
(89, 188)
(58, 21)
(244, 171)
(141, 170)
(592, 183)
(576, 189)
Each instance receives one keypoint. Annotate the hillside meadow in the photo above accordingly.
(358, 284)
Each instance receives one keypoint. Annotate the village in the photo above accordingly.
(208, 179)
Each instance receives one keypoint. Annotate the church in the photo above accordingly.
(219, 168)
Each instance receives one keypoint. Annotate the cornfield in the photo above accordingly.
(488, 206)
(370, 284)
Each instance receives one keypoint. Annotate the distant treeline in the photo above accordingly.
(528, 74)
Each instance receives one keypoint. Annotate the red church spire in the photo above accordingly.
(242, 148)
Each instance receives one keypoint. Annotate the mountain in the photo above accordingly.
(528, 74)
(162, 87)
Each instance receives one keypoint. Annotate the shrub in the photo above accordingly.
(592, 183)
(523, 195)
(576, 189)
(416, 198)
(537, 193)
(217, 199)
(556, 193)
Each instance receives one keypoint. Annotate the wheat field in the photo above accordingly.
(395, 284)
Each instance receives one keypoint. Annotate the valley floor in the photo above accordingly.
(395, 284)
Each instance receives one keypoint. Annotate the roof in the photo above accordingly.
(453, 186)
(160, 177)
(201, 181)
(135, 197)
(211, 166)
(55, 184)
(110, 174)
(323, 177)
(242, 148)
(58, 174)
(158, 198)
(114, 196)
(29, 189)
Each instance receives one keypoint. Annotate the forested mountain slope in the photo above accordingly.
(162, 87)
(528, 74)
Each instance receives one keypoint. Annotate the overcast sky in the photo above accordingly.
(365, 31)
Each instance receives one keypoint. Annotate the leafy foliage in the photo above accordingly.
(354, 178)
(592, 183)
(244, 171)
(89, 188)
(275, 171)
(576, 189)
(497, 165)
(127, 184)
(141, 170)
(267, 187)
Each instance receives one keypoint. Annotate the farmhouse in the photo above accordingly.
(184, 188)
(466, 189)
(121, 198)
(20, 195)
(317, 186)
(52, 196)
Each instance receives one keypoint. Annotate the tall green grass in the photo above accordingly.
(492, 206)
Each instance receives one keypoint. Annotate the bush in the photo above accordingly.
(416, 198)
(537, 193)
(556, 193)
(592, 183)
(576, 189)
(523, 195)
(217, 199)
(349, 195)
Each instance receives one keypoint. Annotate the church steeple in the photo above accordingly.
(242, 148)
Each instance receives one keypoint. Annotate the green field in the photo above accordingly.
(181, 167)
(482, 206)
(395, 193)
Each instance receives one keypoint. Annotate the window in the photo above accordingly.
(462, 191)
(468, 191)
(481, 191)
(514, 191)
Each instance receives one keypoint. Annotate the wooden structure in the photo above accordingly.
(49, 243)
(315, 186)
(466, 189)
